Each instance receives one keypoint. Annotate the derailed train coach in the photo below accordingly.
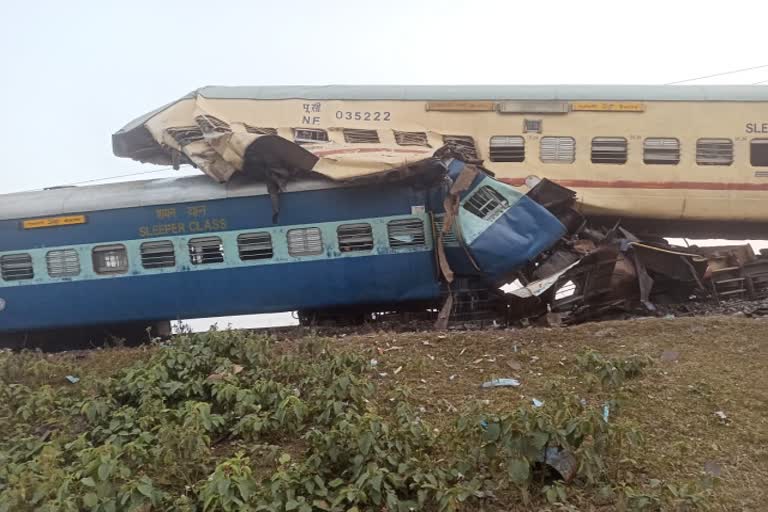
(134, 254)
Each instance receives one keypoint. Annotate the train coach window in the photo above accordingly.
(63, 263)
(411, 138)
(714, 151)
(309, 136)
(405, 233)
(254, 246)
(758, 152)
(485, 202)
(663, 151)
(507, 148)
(558, 149)
(258, 130)
(462, 143)
(305, 242)
(354, 136)
(206, 250)
(355, 237)
(158, 254)
(110, 259)
(609, 150)
(16, 267)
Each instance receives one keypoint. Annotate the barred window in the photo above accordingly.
(309, 136)
(411, 138)
(758, 152)
(663, 151)
(609, 150)
(714, 151)
(260, 130)
(405, 233)
(254, 246)
(63, 263)
(305, 242)
(355, 237)
(449, 237)
(462, 143)
(159, 254)
(110, 259)
(354, 136)
(206, 250)
(16, 267)
(558, 149)
(486, 202)
(507, 148)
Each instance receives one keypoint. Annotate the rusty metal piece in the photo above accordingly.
(727, 283)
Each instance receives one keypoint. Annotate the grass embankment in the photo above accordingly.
(395, 421)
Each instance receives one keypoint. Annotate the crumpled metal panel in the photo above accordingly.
(218, 136)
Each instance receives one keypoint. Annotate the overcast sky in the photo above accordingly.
(74, 72)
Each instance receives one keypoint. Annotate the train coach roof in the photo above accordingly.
(491, 92)
(70, 200)
(476, 92)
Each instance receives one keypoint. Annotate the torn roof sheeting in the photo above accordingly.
(223, 135)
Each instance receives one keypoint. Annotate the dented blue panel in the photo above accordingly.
(515, 238)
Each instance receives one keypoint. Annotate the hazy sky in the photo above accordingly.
(74, 72)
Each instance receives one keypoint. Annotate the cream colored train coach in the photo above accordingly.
(676, 160)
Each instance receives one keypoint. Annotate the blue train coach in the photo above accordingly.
(142, 252)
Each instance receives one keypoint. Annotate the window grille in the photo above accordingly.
(411, 138)
(355, 237)
(305, 242)
(308, 136)
(449, 237)
(507, 148)
(758, 152)
(206, 250)
(486, 202)
(184, 135)
(254, 246)
(609, 150)
(354, 136)
(462, 143)
(714, 151)
(405, 233)
(16, 267)
(663, 151)
(258, 130)
(210, 124)
(110, 259)
(159, 254)
(558, 149)
(63, 263)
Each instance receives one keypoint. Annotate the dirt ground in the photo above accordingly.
(701, 405)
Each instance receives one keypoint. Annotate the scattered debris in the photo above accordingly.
(713, 468)
(515, 365)
(501, 383)
(562, 461)
(373, 363)
(669, 356)
(397, 370)
(537, 403)
(72, 379)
